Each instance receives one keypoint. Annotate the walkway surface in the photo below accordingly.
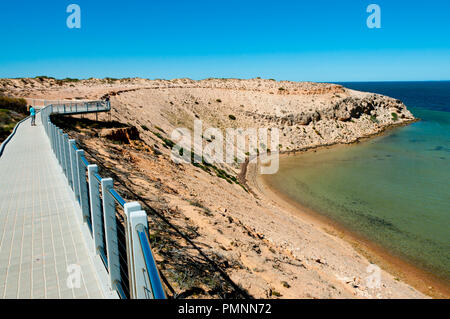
(41, 234)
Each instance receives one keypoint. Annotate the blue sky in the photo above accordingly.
(320, 40)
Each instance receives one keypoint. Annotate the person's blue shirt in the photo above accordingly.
(32, 111)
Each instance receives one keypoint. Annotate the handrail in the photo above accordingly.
(121, 291)
(117, 197)
(99, 212)
(84, 160)
(75, 107)
(98, 177)
(152, 271)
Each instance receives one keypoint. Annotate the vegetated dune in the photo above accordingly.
(215, 235)
(11, 112)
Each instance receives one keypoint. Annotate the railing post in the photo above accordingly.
(52, 137)
(55, 140)
(109, 219)
(58, 145)
(66, 148)
(82, 186)
(136, 262)
(63, 153)
(96, 213)
(55, 145)
(73, 161)
(50, 134)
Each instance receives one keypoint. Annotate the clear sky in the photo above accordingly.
(314, 40)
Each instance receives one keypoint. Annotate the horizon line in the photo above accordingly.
(217, 78)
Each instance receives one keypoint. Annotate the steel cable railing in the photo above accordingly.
(124, 249)
(150, 265)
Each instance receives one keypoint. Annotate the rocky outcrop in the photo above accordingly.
(354, 107)
(343, 110)
(123, 135)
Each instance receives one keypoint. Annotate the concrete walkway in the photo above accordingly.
(40, 229)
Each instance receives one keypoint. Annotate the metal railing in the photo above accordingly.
(123, 246)
(80, 107)
(156, 290)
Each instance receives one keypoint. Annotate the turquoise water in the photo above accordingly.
(394, 189)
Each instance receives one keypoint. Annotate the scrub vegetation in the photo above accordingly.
(12, 111)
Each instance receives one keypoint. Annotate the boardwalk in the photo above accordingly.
(41, 232)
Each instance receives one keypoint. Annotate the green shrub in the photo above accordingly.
(159, 129)
(66, 80)
(145, 128)
(44, 77)
(13, 104)
(275, 293)
(374, 119)
(219, 101)
(71, 80)
(394, 116)
(167, 142)
(232, 117)
(110, 80)
(285, 284)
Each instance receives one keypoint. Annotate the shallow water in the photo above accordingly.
(393, 189)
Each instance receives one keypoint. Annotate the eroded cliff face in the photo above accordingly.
(342, 121)
(329, 116)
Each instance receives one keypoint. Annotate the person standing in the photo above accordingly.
(33, 116)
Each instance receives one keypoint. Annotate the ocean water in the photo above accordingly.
(394, 189)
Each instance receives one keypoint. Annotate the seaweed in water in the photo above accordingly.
(441, 148)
